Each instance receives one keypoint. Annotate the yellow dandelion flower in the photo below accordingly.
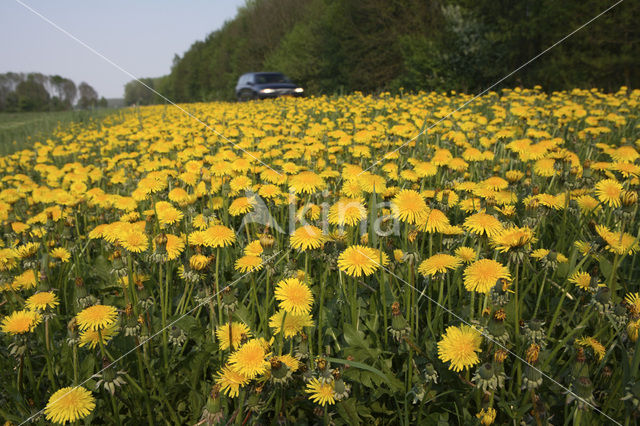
(587, 204)
(61, 253)
(19, 227)
(293, 323)
(25, 280)
(466, 254)
(483, 274)
(269, 191)
(97, 317)
(199, 262)
(347, 212)
(460, 346)
(483, 224)
(609, 192)
(134, 241)
(219, 236)
(69, 404)
(241, 205)
(27, 250)
(582, 280)
(321, 393)
(539, 253)
(307, 237)
(231, 337)
(633, 302)
(351, 188)
(439, 264)
(231, 381)
(197, 238)
(409, 206)
(20, 322)
(254, 248)
(91, 338)
(175, 246)
(248, 263)
(360, 260)
(250, 359)
(306, 183)
(633, 327)
(41, 301)
(512, 238)
(292, 363)
(514, 175)
(433, 221)
(487, 416)
(180, 196)
(591, 342)
(167, 214)
(294, 296)
(619, 243)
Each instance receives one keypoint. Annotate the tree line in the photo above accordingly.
(333, 46)
(22, 92)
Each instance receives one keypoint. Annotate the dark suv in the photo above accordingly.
(262, 85)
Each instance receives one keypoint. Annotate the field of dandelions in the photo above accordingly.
(312, 261)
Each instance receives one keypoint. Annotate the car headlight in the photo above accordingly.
(299, 90)
(267, 91)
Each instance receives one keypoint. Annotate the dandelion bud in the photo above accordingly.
(399, 327)
(267, 240)
(532, 353)
(487, 417)
(364, 239)
(302, 350)
(198, 262)
(229, 300)
(497, 328)
(500, 355)
(321, 363)
(395, 308)
(629, 198)
(583, 387)
(161, 240)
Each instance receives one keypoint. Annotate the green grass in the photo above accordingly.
(20, 130)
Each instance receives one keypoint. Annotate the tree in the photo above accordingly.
(32, 96)
(88, 96)
(64, 90)
(137, 92)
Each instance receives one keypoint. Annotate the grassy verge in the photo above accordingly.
(21, 130)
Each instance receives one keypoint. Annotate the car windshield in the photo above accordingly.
(269, 78)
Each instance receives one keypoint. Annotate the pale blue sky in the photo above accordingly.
(139, 35)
